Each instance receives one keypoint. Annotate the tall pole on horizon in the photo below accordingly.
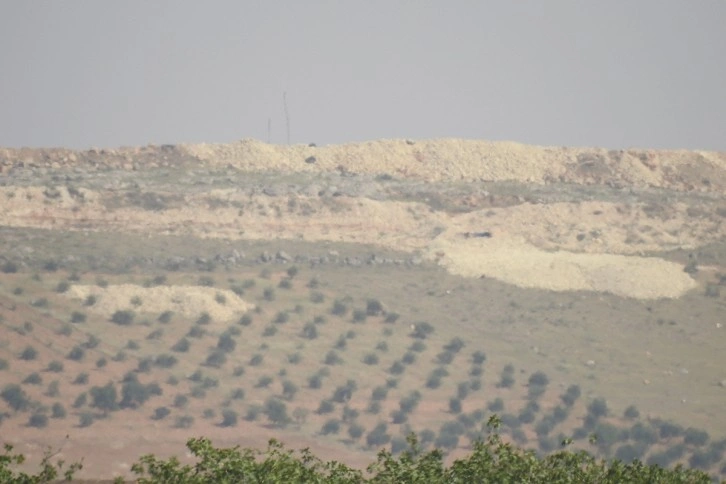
(287, 115)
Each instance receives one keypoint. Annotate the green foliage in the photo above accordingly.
(50, 471)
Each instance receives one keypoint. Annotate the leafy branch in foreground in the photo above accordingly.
(49, 470)
(492, 460)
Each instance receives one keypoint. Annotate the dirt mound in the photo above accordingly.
(188, 301)
(473, 160)
(527, 266)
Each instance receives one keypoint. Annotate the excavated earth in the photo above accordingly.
(561, 219)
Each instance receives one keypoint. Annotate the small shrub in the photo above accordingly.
(165, 317)
(268, 294)
(315, 381)
(339, 308)
(123, 317)
(245, 320)
(78, 317)
(229, 418)
(382, 346)
(331, 426)
(181, 346)
(695, 437)
(38, 420)
(204, 319)
(631, 413)
(76, 354)
(397, 368)
(184, 422)
(332, 358)
(181, 401)
(29, 353)
(161, 413)
(58, 411)
(294, 358)
(496, 405)
(370, 359)
(317, 297)
(264, 382)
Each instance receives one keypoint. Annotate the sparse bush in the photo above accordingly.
(181, 346)
(445, 357)
(53, 389)
(196, 332)
(355, 431)
(78, 317)
(391, 318)
(370, 359)
(123, 317)
(165, 361)
(598, 408)
(264, 381)
(455, 405)
(379, 393)
(29, 353)
(333, 358)
(507, 378)
(276, 411)
(38, 420)
(256, 359)
(331, 426)
(80, 400)
(496, 405)
(268, 294)
(382, 346)
(76, 354)
(289, 389)
(15, 397)
(373, 408)
(422, 330)
(309, 331)
(181, 401)
(245, 320)
(58, 411)
(695, 437)
(397, 368)
(339, 308)
(315, 381)
(294, 358)
(378, 436)
(631, 413)
(161, 413)
(165, 317)
(410, 402)
(183, 422)
(571, 395)
(229, 418)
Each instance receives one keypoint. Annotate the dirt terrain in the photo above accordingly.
(602, 268)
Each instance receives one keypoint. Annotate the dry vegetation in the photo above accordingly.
(342, 301)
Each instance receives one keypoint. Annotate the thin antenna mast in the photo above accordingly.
(287, 116)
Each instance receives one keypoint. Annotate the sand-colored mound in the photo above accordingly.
(187, 301)
(527, 266)
(476, 160)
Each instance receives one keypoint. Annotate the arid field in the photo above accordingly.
(340, 297)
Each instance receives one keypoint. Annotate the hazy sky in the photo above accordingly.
(612, 73)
